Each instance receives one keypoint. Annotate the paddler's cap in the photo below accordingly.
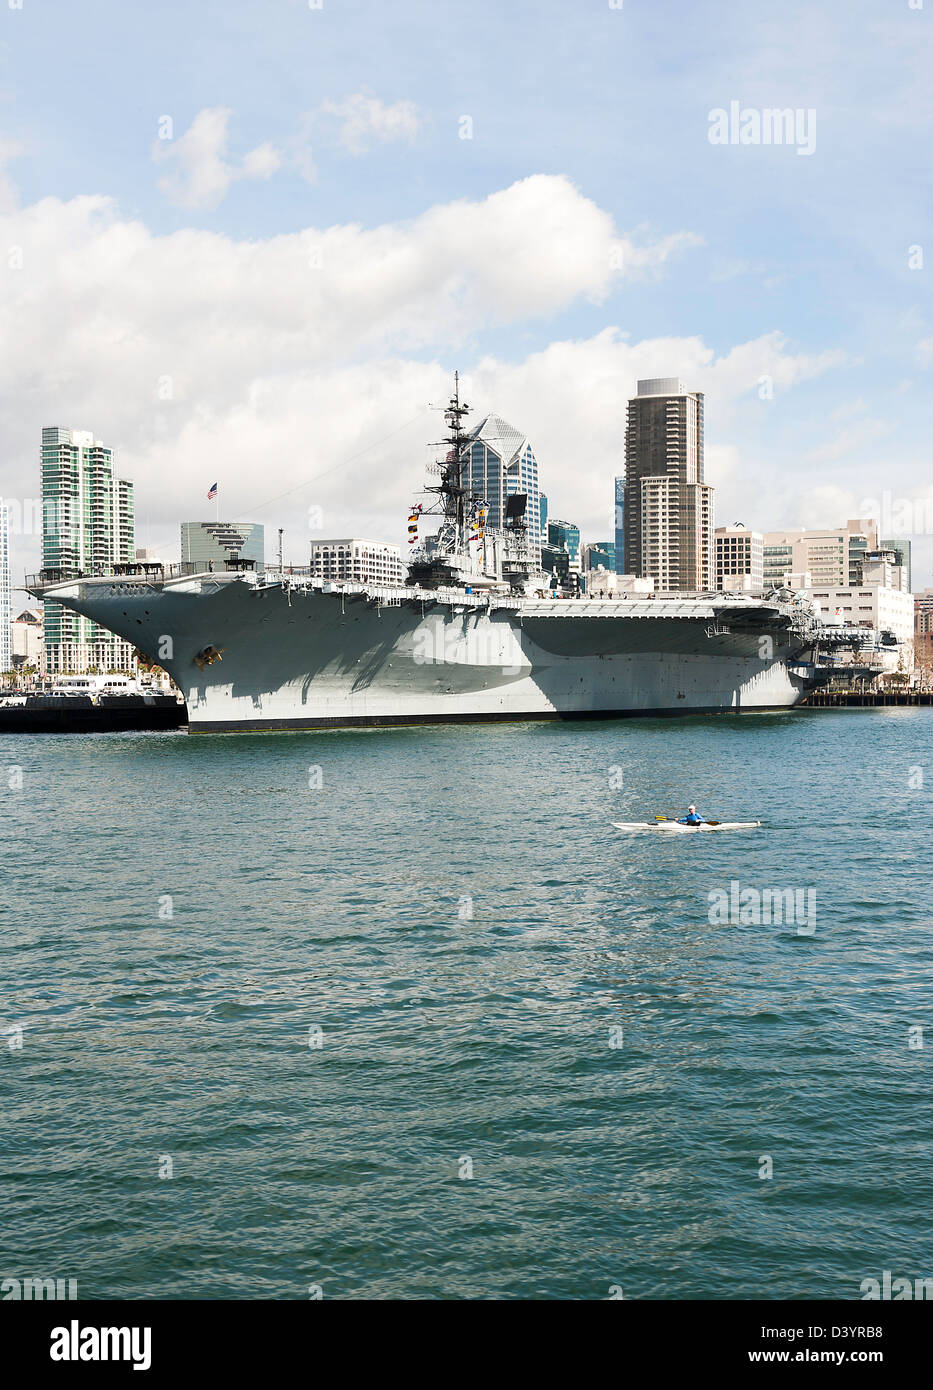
(691, 808)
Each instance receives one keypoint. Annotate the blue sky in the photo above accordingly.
(356, 110)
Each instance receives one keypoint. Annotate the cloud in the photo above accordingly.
(179, 302)
(640, 256)
(849, 409)
(765, 363)
(198, 173)
(9, 196)
(353, 125)
(362, 119)
(265, 363)
(851, 439)
(572, 399)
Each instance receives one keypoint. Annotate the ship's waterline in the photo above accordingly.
(255, 653)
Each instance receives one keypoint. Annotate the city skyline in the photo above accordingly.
(515, 466)
(513, 469)
(269, 280)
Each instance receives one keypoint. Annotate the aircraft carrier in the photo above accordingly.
(474, 635)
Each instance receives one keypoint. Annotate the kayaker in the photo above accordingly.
(691, 818)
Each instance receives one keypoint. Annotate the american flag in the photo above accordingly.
(213, 492)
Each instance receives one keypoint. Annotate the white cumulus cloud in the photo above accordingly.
(296, 370)
(198, 172)
(9, 149)
(362, 119)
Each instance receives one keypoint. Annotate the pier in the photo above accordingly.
(836, 699)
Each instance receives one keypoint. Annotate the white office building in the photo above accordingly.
(834, 555)
(871, 605)
(28, 641)
(357, 561)
(605, 583)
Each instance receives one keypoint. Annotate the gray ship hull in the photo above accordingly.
(255, 654)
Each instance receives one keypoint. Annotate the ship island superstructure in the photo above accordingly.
(474, 634)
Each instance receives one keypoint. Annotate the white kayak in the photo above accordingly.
(675, 828)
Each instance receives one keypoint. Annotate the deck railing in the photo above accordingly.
(149, 571)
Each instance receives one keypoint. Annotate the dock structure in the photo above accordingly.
(836, 699)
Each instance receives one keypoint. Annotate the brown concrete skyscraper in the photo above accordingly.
(668, 506)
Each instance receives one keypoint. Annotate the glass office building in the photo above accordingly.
(206, 543)
(563, 535)
(902, 549)
(499, 463)
(600, 553)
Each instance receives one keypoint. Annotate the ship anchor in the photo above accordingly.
(208, 655)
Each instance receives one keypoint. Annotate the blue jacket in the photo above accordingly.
(691, 820)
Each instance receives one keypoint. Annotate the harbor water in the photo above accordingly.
(399, 1014)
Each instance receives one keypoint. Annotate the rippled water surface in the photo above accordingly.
(473, 1123)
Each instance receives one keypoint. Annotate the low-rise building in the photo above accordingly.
(872, 606)
(833, 554)
(923, 633)
(884, 567)
(357, 561)
(28, 641)
(604, 583)
(739, 562)
(599, 582)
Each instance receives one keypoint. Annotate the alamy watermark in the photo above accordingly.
(889, 1287)
(77, 1343)
(769, 125)
(756, 907)
(445, 644)
(36, 516)
(38, 1289)
(899, 516)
